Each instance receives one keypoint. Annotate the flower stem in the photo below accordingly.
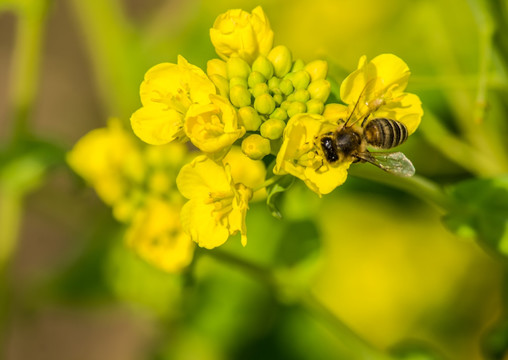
(268, 182)
(26, 62)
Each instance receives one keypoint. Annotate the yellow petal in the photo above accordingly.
(198, 221)
(200, 177)
(407, 110)
(156, 124)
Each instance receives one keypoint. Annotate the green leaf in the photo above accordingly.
(480, 210)
(274, 191)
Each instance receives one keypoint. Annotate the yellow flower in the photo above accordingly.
(157, 236)
(167, 92)
(251, 173)
(217, 205)
(378, 88)
(214, 127)
(109, 160)
(300, 154)
(239, 33)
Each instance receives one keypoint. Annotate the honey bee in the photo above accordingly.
(350, 141)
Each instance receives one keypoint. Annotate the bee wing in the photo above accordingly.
(395, 163)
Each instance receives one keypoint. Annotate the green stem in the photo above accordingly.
(268, 182)
(26, 62)
(351, 343)
(417, 186)
(455, 149)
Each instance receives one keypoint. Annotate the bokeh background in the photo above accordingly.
(376, 258)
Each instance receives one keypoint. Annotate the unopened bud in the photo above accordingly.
(301, 95)
(239, 96)
(301, 79)
(317, 69)
(315, 106)
(264, 104)
(298, 65)
(263, 66)
(237, 67)
(280, 56)
(296, 107)
(255, 146)
(273, 83)
(216, 67)
(221, 84)
(255, 78)
(280, 114)
(319, 89)
(259, 89)
(249, 118)
(278, 98)
(286, 86)
(272, 128)
(285, 104)
(237, 81)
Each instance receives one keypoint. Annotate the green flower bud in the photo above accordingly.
(280, 114)
(239, 96)
(317, 69)
(301, 79)
(249, 118)
(273, 83)
(285, 104)
(301, 95)
(237, 67)
(296, 107)
(315, 106)
(298, 65)
(280, 56)
(264, 104)
(286, 86)
(255, 78)
(272, 128)
(291, 97)
(255, 146)
(278, 98)
(221, 84)
(263, 66)
(319, 89)
(237, 81)
(259, 89)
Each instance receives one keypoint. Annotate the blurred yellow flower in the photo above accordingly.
(300, 155)
(167, 92)
(376, 89)
(238, 33)
(109, 160)
(217, 205)
(214, 127)
(157, 236)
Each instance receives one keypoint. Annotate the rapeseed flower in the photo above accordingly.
(167, 93)
(238, 33)
(217, 205)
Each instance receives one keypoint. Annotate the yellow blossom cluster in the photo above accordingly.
(254, 106)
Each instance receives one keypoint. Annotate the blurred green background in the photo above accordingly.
(375, 257)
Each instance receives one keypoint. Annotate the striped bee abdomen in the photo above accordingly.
(385, 133)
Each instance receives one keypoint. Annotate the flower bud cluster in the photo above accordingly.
(268, 93)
